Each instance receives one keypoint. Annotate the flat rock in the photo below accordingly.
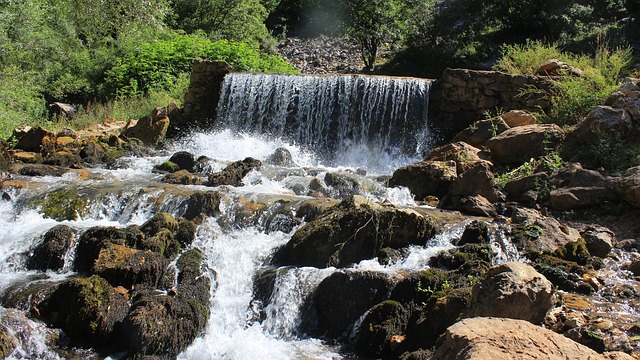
(497, 339)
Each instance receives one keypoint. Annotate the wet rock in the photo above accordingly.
(519, 144)
(92, 241)
(477, 232)
(38, 140)
(563, 274)
(8, 342)
(532, 232)
(162, 242)
(426, 178)
(599, 240)
(482, 338)
(163, 325)
(63, 204)
(62, 158)
(50, 253)
(513, 290)
(28, 293)
(201, 205)
(186, 232)
(342, 298)
(158, 222)
(281, 157)
(93, 153)
(263, 285)
(166, 167)
(383, 321)
(184, 160)
(353, 231)
(88, 310)
(437, 315)
(124, 266)
(183, 177)
(343, 185)
(233, 174)
(192, 283)
(575, 251)
(479, 132)
(465, 155)
(515, 118)
(41, 170)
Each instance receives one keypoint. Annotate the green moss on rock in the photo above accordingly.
(574, 251)
(63, 205)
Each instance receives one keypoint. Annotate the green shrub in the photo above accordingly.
(572, 96)
(157, 65)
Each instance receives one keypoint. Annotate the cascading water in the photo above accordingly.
(336, 117)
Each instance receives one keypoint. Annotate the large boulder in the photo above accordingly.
(92, 241)
(533, 232)
(603, 119)
(570, 198)
(382, 323)
(513, 290)
(51, 252)
(234, 173)
(478, 180)
(521, 143)
(38, 140)
(631, 186)
(465, 155)
(506, 339)
(342, 298)
(149, 129)
(281, 157)
(479, 132)
(89, 310)
(126, 267)
(184, 160)
(163, 325)
(352, 231)
(426, 178)
(599, 240)
(201, 205)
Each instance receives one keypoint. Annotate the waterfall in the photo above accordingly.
(335, 116)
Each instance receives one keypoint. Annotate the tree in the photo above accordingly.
(234, 20)
(372, 22)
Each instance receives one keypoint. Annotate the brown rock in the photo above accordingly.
(478, 180)
(513, 290)
(37, 139)
(631, 186)
(149, 129)
(183, 177)
(465, 155)
(579, 197)
(426, 178)
(498, 339)
(552, 233)
(515, 118)
(521, 143)
(27, 157)
(481, 131)
(605, 119)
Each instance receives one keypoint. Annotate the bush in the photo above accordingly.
(157, 65)
(572, 97)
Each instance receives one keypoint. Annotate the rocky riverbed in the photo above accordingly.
(126, 244)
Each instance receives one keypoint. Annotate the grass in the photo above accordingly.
(120, 109)
(572, 97)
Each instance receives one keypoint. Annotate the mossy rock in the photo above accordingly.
(186, 232)
(28, 293)
(575, 251)
(163, 242)
(93, 240)
(420, 287)
(469, 253)
(191, 281)
(201, 205)
(63, 205)
(159, 221)
(8, 342)
(352, 231)
(167, 166)
(123, 266)
(50, 253)
(383, 321)
(161, 325)
(89, 310)
(566, 275)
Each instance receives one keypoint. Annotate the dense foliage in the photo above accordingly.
(92, 51)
